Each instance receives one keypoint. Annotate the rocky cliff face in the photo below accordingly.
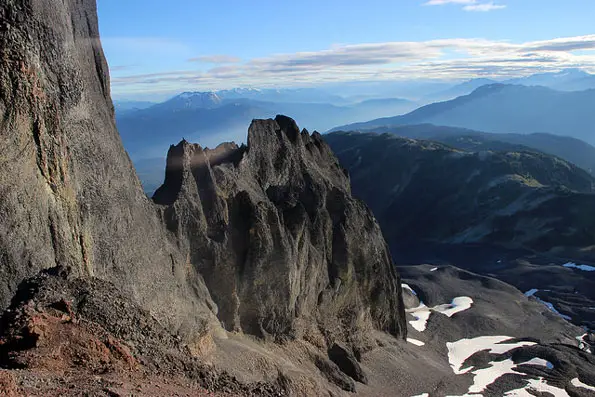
(284, 248)
(68, 192)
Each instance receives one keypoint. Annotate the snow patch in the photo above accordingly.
(584, 346)
(531, 292)
(433, 269)
(486, 376)
(415, 342)
(457, 305)
(422, 395)
(421, 315)
(577, 383)
(537, 385)
(540, 362)
(585, 268)
(461, 350)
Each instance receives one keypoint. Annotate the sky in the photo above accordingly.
(157, 47)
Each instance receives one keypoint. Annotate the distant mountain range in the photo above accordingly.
(190, 100)
(128, 106)
(210, 118)
(565, 80)
(505, 108)
(458, 90)
(291, 95)
(570, 149)
(148, 132)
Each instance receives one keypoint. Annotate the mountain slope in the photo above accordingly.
(515, 215)
(575, 151)
(505, 109)
(425, 190)
(570, 149)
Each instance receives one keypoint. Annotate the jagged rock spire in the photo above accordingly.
(284, 248)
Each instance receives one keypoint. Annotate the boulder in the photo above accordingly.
(347, 362)
(334, 374)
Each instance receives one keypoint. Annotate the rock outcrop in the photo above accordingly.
(347, 362)
(70, 335)
(284, 248)
(69, 195)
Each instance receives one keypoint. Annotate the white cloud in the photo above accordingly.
(468, 5)
(484, 7)
(434, 59)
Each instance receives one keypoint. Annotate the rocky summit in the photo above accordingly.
(274, 231)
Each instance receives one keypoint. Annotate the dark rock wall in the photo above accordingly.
(68, 192)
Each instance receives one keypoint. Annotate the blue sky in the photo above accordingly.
(157, 47)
